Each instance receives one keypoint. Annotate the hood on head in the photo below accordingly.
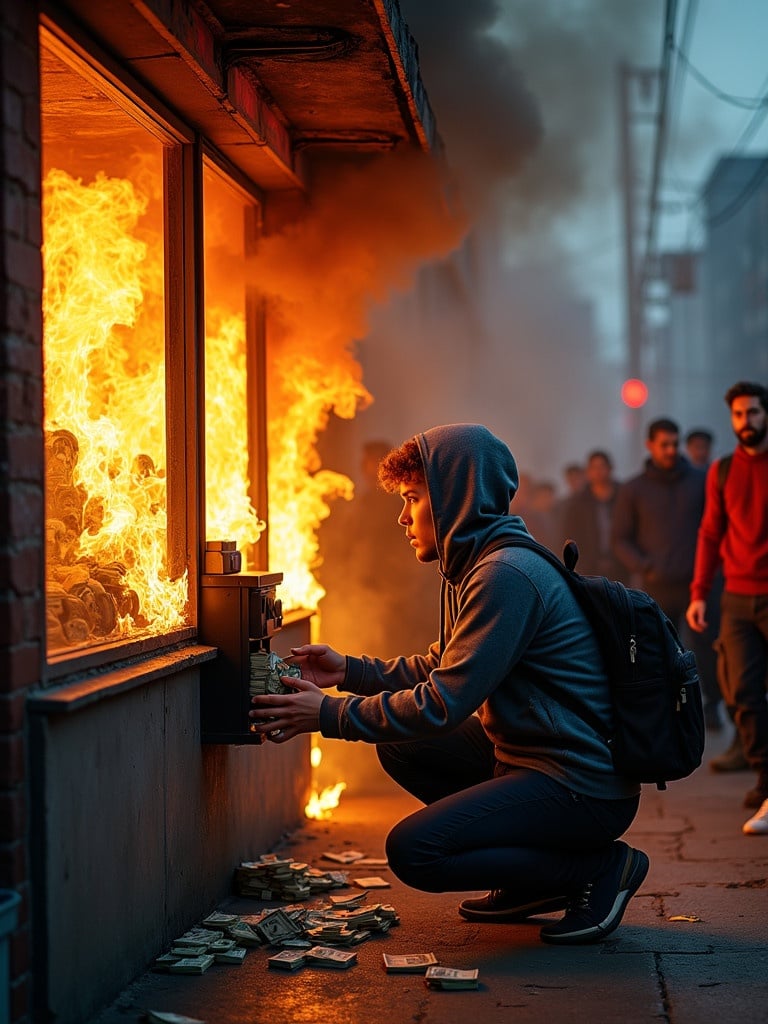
(471, 476)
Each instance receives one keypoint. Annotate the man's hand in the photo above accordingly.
(281, 716)
(320, 664)
(696, 615)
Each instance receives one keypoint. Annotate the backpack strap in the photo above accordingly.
(565, 568)
(723, 467)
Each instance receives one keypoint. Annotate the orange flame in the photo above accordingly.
(105, 385)
(228, 509)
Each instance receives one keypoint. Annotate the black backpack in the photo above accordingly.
(658, 719)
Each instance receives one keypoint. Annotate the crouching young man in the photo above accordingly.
(499, 727)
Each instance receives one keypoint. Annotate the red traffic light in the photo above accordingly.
(634, 393)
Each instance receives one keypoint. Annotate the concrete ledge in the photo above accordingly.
(84, 692)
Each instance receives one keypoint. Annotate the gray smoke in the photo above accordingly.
(525, 97)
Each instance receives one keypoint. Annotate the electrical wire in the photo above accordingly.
(745, 102)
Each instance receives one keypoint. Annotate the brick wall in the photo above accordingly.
(21, 458)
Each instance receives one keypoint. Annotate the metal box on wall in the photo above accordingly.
(239, 614)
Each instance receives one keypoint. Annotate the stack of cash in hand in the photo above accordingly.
(266, 668)
(451, 978)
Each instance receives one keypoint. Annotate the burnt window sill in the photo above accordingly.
(82, 692)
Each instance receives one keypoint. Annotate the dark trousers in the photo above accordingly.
(743, 649)
(674, 599)
(489, 827)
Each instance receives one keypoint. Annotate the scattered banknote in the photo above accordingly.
(164, 1017)
(408, 963)
(287, 959)
(352, 900)
(451, 978)
(344, 856)
(326, 956)
(276, 925)
(219, 921)
(192, 964)
(273, 878)
(235, 955)
(374, 882)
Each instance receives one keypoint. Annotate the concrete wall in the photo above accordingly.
(139, 828)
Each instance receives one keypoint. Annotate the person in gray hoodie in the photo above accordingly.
(500, 727)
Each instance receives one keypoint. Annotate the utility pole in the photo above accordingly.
(637, 87)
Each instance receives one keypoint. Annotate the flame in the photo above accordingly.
(105, 399)
(321, 805)
(303, 391)
(229, 512)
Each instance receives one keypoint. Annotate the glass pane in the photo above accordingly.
(104, 351)
(230, 512)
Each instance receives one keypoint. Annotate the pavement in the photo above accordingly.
(693, 945)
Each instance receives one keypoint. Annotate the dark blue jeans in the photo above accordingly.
(486, 826)
(743, 648)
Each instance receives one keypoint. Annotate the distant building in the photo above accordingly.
(716, 301)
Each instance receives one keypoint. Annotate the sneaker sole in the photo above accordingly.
(611, 922)
(515, 914)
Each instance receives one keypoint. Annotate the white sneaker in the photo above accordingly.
(758, 823)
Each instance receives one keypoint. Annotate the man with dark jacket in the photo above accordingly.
(587, 516)
(655, 519)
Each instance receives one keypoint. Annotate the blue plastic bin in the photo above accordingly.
(9, 915)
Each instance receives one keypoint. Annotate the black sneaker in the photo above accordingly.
(503, 906)
(598, 910)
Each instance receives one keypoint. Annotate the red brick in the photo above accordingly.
(23, 449)
(13, 815)
(24, 509)
(20, 66)
(24, 263)
(11, 760)
(20, 21)
(13, 709)
(11, 616)
(19, 949)
(21, 1005)
(23, 354)
(13, 865)
(21, 667)
(14, 210)
(19, 310)
(21, 571)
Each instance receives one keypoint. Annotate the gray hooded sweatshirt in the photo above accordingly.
(514, 646)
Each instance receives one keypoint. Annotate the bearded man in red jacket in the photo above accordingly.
(734, 527)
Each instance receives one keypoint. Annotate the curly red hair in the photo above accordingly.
(401, 465)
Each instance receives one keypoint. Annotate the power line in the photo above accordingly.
(745, 102)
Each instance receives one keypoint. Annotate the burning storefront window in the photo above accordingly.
(232, 358)
(107, 576)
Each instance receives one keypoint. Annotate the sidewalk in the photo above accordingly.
(651, 969)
